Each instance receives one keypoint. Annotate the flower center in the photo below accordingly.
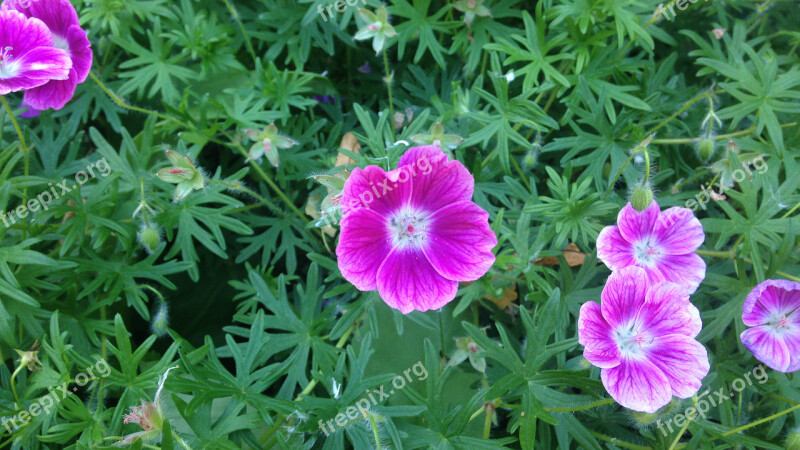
(646, 253)
(8, 68)
(408, 228)
(374, 26)
(60, 42)
(781, 323)
(630, 341)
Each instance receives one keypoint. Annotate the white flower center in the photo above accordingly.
(60, 42)
(630, 341)
(646, 253)
(8, 67)
(408, 227)
(781, 323)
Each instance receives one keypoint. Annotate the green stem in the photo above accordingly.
(389, 89)
(611, 185)
(617, 442)
(121, 103)
(720, 137)
(22, 144)
(789, 213)
(646, 166)
(487, 422)
(677, 113)
(602, 402)
(375, 432)
(241, 28)
(14, 386)
(757, 422)
(716, 254)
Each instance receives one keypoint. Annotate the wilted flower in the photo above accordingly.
(62, 20)
(378, 28)
(28, 58)
(466, 347)
(660, 242)
(30, 358)
(149, 416)
(267, 142)
(772, 309)
(718, 32)
(642, 336)
(471, 8)
(437, 137)
(418, 236)
(183, 173)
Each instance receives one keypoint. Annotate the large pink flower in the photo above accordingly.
(773, 310)
(660, 242)
(413, 233)
(27, 56)
(62, 20)
(642, 337)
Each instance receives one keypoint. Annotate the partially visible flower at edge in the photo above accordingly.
(660, 242)
(466, 347)
(472, 8)
(642, 336)
(28, 58)
(378, 28)
(772, 309)
(62, 20)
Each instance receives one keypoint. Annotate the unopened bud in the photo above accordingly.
(160, 320)
(641, 197)
(529, 161)
(793, 440)
(150, 237)
(705, 149)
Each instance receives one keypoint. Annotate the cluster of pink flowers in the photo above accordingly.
(642, 334)
(43, 52)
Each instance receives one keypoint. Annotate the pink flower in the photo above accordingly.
(62, 20)
(642, 337)
(660, 242)
(773, 310)
(413, 233)
(27, 56)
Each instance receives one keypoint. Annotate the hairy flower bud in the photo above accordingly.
(793, 440)
(150, 237)
(705, 149)
(160, 320)
(641, 197)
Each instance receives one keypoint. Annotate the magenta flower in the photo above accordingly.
(642, 337)
(27, 56)
(62, 20)
(773, 310)
(413, 233)
(660, 242)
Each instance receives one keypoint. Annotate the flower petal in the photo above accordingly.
(594, 333)
(363, 245)
(635, 226)
(437, 181)
(165, 175)
(80, 50)
(667, 310)
(615, 252)
(637, 384)
(687, 270)
(58, 15)
(682, 360)
(623, 295)
(408, 282)
(769, 299)
(768, 347)
(677, 231)
(53, 94)
(371, 188)
(459, 242)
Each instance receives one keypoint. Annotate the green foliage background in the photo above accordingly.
(261, 322)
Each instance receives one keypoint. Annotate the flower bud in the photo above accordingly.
(150, 237)
(641, 197)
(529, 161)
(793, 440)
(705, 149)
(160, 321)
